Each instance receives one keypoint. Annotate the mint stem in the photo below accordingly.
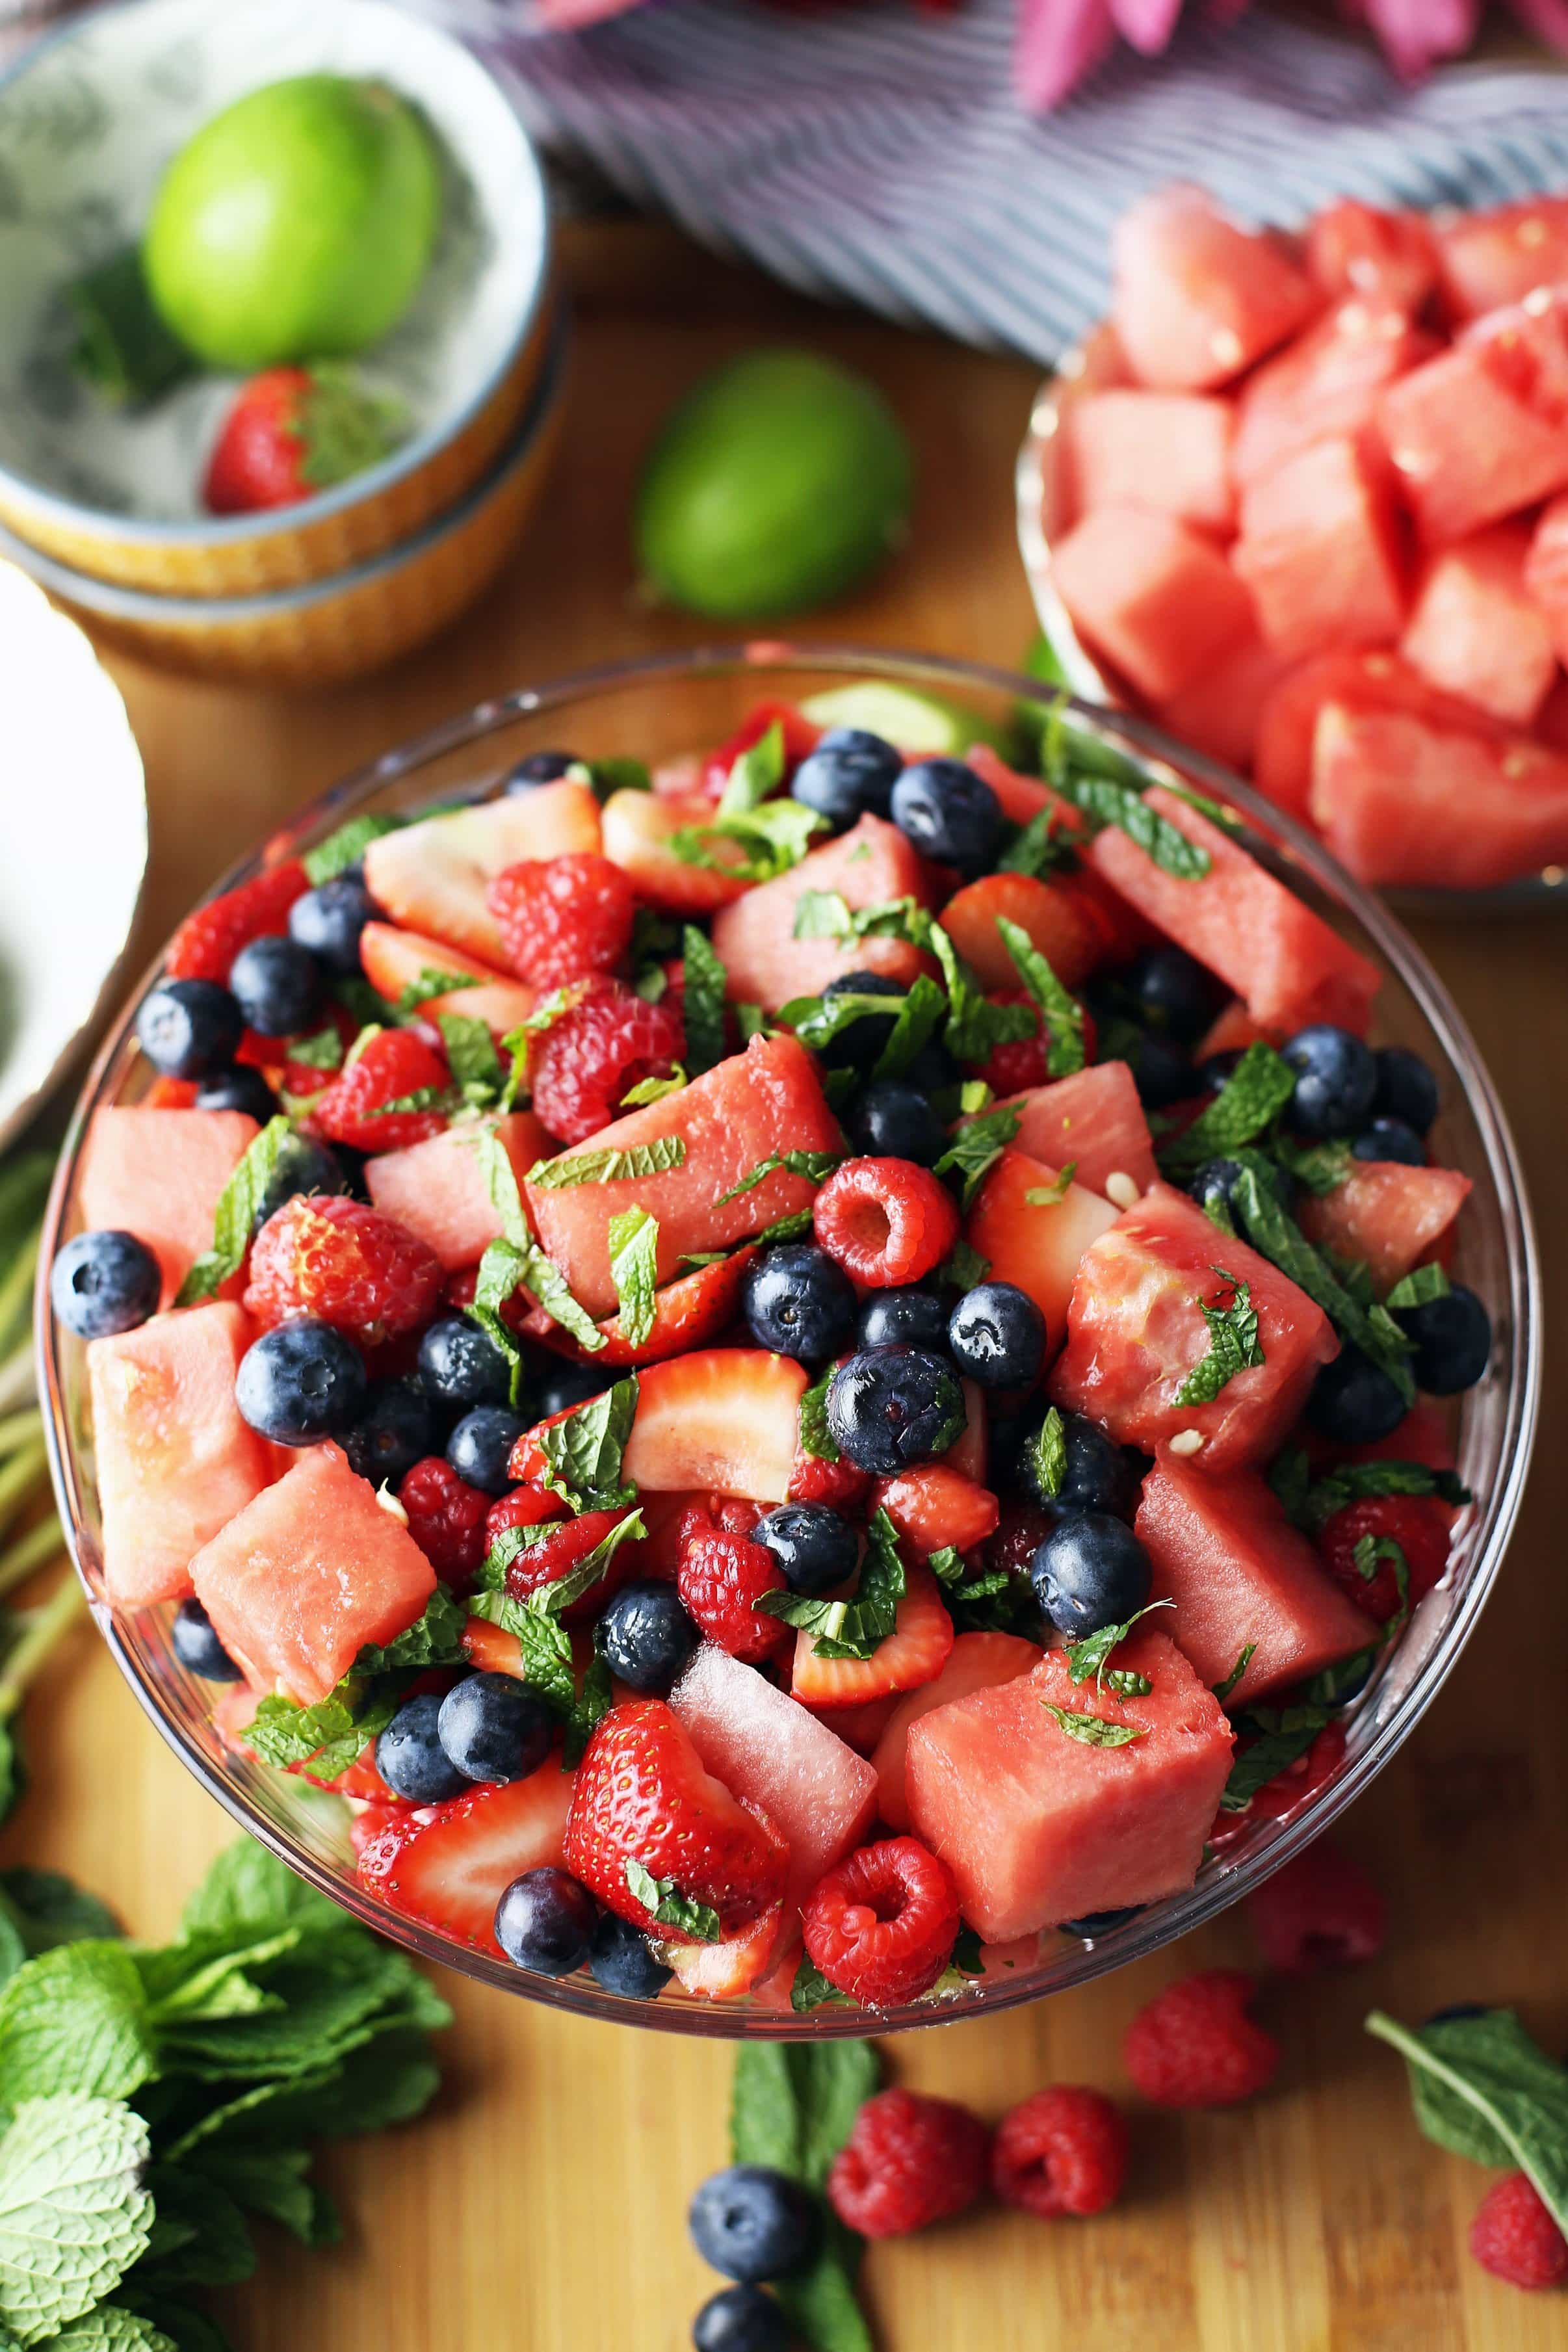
(20, 1477)
(19, 1429)
(44, 1630)
(17, 1562)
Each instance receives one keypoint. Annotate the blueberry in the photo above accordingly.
(998, 1335)
(328, 921)
(752, 2223)
(278, 985)
(479, 1448)
(188, 1028)
(300, 1382)
(933, 1069)
(239, 1087)
(104, 1282)
(398, 1427)
(858, 1047)
(410, 1757)
(1336, 1079)
(1217, 1070)
(1095, 1924)
(1173, 994)
(555, 1384)
(645, 1636)
(545, 1922)
(625, 1962)
(1098, 1475)
(889, 1407)
(197, 1647)
(740, 2319)
(303, 1165)
(1161, 1072)
(492, 1728)
(1091, 1570)
(462, 1365)
(352, 1165)
(1390, 1138)
(1214, 1187)
(539, 767)
(798, 1302)
(1354, 1401)
(1407, 1089)
(950, 814)
(849, 775)
(908, 1315)
(895, 1120)
(814, 1548)
(1453, 1340)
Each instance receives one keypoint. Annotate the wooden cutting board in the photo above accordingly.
(540, 2208)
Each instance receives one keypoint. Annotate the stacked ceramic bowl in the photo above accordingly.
(103, 505)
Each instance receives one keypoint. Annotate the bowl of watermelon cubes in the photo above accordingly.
(1305, 500)
(729, 1361)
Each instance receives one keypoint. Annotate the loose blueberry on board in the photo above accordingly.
(1407, 1089)
(1095, 1924)
(1390, 1138)
(104, 1282)
(1354, 1401)
(328, 919)
(398, 1427)
(410, 1757)
(479, 1448)
(1336, 1079)
(858, 1047)
(556, 1384)
(461, 1365)
(492, 1728)
(950, 814)
(1217, 1070)
(197, 1647)
(889, 1407)
(300, 1382)
(895, 1120)
(752, 2223)
(239, 1088)
(814, 1548)
(645, 1636)
(740, 2319)
(1161, 1072)
(539, 767)
(623, 1960)
(545, 1922)
(1453, 1341)
(907, 1316)
(797, 1302)
(1090, 1571)
(1173, 994)
(850, 774)
(279, 986)
(1098, 1475)
(304, 1164)
(188, 1028)
(998, 1335)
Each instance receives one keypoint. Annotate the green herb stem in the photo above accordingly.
(43, 1631)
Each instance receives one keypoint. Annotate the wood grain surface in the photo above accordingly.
(540, 2207)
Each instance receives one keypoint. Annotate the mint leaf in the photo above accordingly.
(73, 2213)
(1039, 848)
(75, 2019)
(751, 1021)
(1092, 1730)
(1052, 1195)
(1222, 1691)
(582, 1452)
(1419, 1288)
(346, 846)
(652, 1090)
(430, 982)
(112, 2328)
(1319, 1168)
(323, 1051)
(815, 1437)
(544, 1277)
(858, 1628)
(1277, 1738)
(794, 2106)
(435, 1639)
(792, 1228)
(1368, 1555)
(609, 1166)
(811, 1989)
(1234, 1345)
(663, 1899)
(815, 1166)
(45, 1908)
(758, 771)
(1105, 802)
(606, 777)
(1353, 1482)
(471, 1056)
(515, 1260)
(633, 1238)
(1278, 1238)
(963, 1267)
(823, 915)
(248, 1894)
(1251, 1099)
(913, 1028)
(1483, 2089)
(704, 985)
(544, 1644)
(1062, 1015)
(236, 1214)
(772, 839)
(1049, 1454)
(819, 1019)
(977, 1147)
(1090, 1655)
(329, 1735)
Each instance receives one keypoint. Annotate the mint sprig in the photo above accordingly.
(857, 1628)
(1234, 1344)
(662, 1899)
(236, 1214)
(793, 2107)
(1483, 2089)
(1246, 1107)
(1062, 1015)
(704, 986)
(609, 1166)
(1092, 1654)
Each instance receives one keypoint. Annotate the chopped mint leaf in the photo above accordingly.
(609, 1166)
(430, 983)
(1482, 2089)
(1222, 1691)
(1353, 1482)
(750, 1020)
(973, 1096)
(652, 1090)
(811, 1989)
(1319, 1168)
(1092, 1730)
(74, 2213)
(1279, 1239)
(965, 1268)
(695, 1258)
(441, 1098)
(236, 1214)
(471, 1055)
(323, 1051)
(703, 986)
(978, 1146)
(435, 1639)
(1369, 1554)
(544, 1015)
(330, 1734)
(606, 777)
(785, 1229)
(815, 1437)
(1277, 1738)
(946, 1564)
(1089, 1656)
(515, 1260)
(663, 1899)
(759, 771)
(1291, 1476)
(544, 1644)
(1419, 1288)
(1251, 1099)
(858, 1628)
(346, 846)
(823, 915)
(1106, 802)
(551, 1600)
(1051, 1196)
(1048, 1453)
(772, 840)
(974, 1026)
(500, 1275)
(1039, 847)
(360, 1000)
(815, 1166)
(1234, 1345)
(582, 1452)
(633, 1237)
(913, 1027)
(544, 1280)
(819, 1019)
(1062, 1015)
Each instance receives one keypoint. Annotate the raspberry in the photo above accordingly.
(547, 1561)
(562, 918)
(585, 1063)
(1515, 2238)
(720, 1580)
(395, 1064)
(1320, 1911)
(1063, 2151)
(345, 1263)
(446, 1518)
(1020, 1532)
(208, 940)
(1195, 2046)
(882, 1927)
(1026, 1060)
(837, 1483)
(885, 1221)
(1418, 1524)
(908, 2160)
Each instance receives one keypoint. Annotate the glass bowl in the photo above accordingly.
(657, 709)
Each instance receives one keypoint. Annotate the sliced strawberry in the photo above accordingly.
(170, 1094)
(492, 1650)
(915, 1652)
(800, 737)
(555, 1556)
(971, 1450)
(433, 877)
(367, 1826)
(934, 1507)
(1057, 917)
(638, 827)
(209, 940)
(686, 1314)
(723, 1972)
(449, 1865)
(724, 1418)
(396, 1065)
(394, 960)
(1023, 797)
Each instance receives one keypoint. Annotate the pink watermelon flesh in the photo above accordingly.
(1282, 959)
(309, 1571)
(1198, 298)
(1220, 711)
(1036, 1826)
(1401, 801)
(1467, 449)
(976, 1662)
(175, 1461)
(438, 1190)
(767, 1099)
(1327, 385)
(1037, 1245)
(1490, 258)
(1238, 1572)
(158, 1174)
(755, 939)
(1320, 550)
(1136, 1330)
(1389, 1214)
(1282, 758)
(1476, 631)
(1165, 450)
(1546, 582)
(1093, 1117)
(1154, 597)
(432, 876)
(1384, 257)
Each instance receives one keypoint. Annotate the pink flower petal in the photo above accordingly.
(1057, 43)
(1416, 34)
(1148, 25)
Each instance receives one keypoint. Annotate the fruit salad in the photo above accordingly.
(793, 1372)
(1310, 509)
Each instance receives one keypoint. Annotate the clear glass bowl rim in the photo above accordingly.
(771, 662)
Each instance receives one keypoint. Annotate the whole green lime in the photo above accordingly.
(776, 484)
(296, 224)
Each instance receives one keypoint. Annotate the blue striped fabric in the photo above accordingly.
(878, 155)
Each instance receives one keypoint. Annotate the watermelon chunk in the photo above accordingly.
(1022, 797)
(1152, 595)
(639, 828)
(1038, 1245)
(1238, 1572)
(1324, 385)
(175, 1461)
(1093, 1117)
(1476, 629)
(1221, 710)
(977, 1662)
(1282, 757)
(1282, 959)
(438, 1188)
(723, 1420)
(767, 1099)
(1384, 257)
(158, 1174)
(306, 1574)
(755, 939)
(1467, 450)
(1392, 1216)
(1136, 1330)
(1401, 801)
(1489, 259)
(1546, 578)
(1198, 299)
(1320, 550)
(432, 876)
(1036, 1826)
(1169, 451)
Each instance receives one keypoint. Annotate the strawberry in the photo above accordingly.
(800, 737)
(1057, 917)
(554, 1556)
(347, 1265)
(721, 1417)
(449, 1865)
(291, 431)
(915, 1652)
(208, 940)
(394, 1065)
(686, 1313)
(935, 1506)
(723, 1972)
(643, 1796)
